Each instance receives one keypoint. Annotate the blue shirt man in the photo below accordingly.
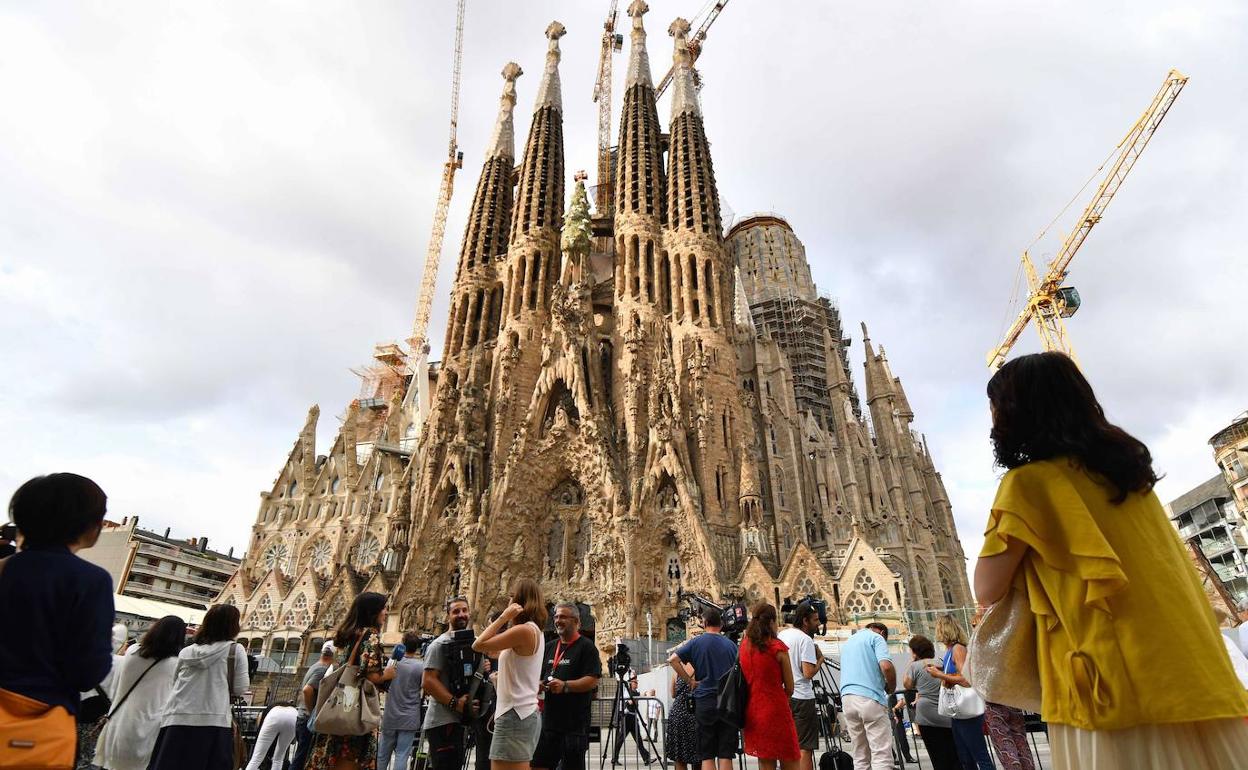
(867, 677)
(711, 655)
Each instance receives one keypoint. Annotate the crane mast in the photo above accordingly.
(418, 343)
(695, 44)
(1048, 302)
(611, 42)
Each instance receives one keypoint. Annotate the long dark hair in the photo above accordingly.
(363, 614)
(1042, 407)
(164, 639)
(762, 627)
(528, 594)
(220, 624)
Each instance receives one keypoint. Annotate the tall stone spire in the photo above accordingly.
(638, 59)
(692, 197)
(639, 171)
(684, 91)
(503, 140)
(879, 384)
(475, 303)
(540, 195)
(549, 93)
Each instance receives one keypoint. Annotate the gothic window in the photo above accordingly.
(320, 554)
(863, 582)
(946, 588)
(880, 603)
(276, 556)
(377, 482)
(805, 586)
(367, 551)
(262, 617)
(292, 488)
(920, 576)
(855, 604)
(334, 485)
(298, 615)
(335, 612)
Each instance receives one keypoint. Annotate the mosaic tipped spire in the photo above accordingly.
(548, 93)
(503, 141)
(684, 93)
(638, 59)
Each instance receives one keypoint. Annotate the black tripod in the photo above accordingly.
(619, 714)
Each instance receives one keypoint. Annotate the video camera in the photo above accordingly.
(735, 615)
(789, 611)
(462, 661)
(621, 661)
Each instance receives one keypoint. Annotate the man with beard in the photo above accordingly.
(443, 725)
(569, 677)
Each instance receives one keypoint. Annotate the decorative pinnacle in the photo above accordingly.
(549, 93)
(576, 233)
(684, 95)
(503, 142)
(638, 59)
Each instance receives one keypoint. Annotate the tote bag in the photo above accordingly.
(1001, 662)
(347, 703)
(958, 702)
(733, 695)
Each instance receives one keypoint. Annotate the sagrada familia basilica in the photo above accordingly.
(631, 405)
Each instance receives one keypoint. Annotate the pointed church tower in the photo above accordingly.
(642, 269)
(533, 264)
(476, 304)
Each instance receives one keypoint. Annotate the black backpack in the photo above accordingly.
(734, 693)
(836, 760)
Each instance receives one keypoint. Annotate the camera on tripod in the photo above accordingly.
(621, 661)
(789, 611)
(735, 616)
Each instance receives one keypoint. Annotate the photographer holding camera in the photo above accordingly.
(570, 676)
(444, 723)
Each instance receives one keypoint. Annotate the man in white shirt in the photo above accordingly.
(805, 658)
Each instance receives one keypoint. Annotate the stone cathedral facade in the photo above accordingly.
(631, 404)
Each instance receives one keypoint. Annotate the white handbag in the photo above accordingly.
(959, 702)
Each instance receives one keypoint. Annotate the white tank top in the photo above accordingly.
(519, 677)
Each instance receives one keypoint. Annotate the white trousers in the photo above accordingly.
(870, 734)
(278, 727)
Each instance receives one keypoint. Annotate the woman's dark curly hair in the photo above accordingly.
(1043, 407)
(762, 627)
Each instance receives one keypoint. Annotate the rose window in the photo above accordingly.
(276, 556)
(367, 551)
(321, 554)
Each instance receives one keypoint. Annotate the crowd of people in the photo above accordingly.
(1131, 669)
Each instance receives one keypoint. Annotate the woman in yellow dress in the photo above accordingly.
(1132, 670)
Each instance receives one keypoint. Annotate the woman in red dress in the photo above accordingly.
(770, 733)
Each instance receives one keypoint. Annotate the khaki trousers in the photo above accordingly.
(870, 734)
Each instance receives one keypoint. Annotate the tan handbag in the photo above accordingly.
(347, 703)
(1001, 661)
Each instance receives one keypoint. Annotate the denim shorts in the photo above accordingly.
(515, 738)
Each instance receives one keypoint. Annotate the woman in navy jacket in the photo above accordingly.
(57, 642)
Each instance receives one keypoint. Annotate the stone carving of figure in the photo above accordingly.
(554, 549)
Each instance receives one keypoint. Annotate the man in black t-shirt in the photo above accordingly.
(569, 677)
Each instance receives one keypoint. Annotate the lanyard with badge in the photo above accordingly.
(560, 650)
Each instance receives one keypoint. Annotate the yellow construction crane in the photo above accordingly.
(695, 45)
(418, 343)
(1048, 301)
(611, 42)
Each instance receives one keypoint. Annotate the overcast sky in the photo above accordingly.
(213, 210)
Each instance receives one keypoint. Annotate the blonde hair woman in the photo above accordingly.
(968, 734)
(520, 648)
(1132, 670)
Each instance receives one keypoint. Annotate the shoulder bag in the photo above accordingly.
(125, 695)
(1001, 662)
(734, 694)
(347, 703)
(958, 702)
(236, 740)
(34, 735)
